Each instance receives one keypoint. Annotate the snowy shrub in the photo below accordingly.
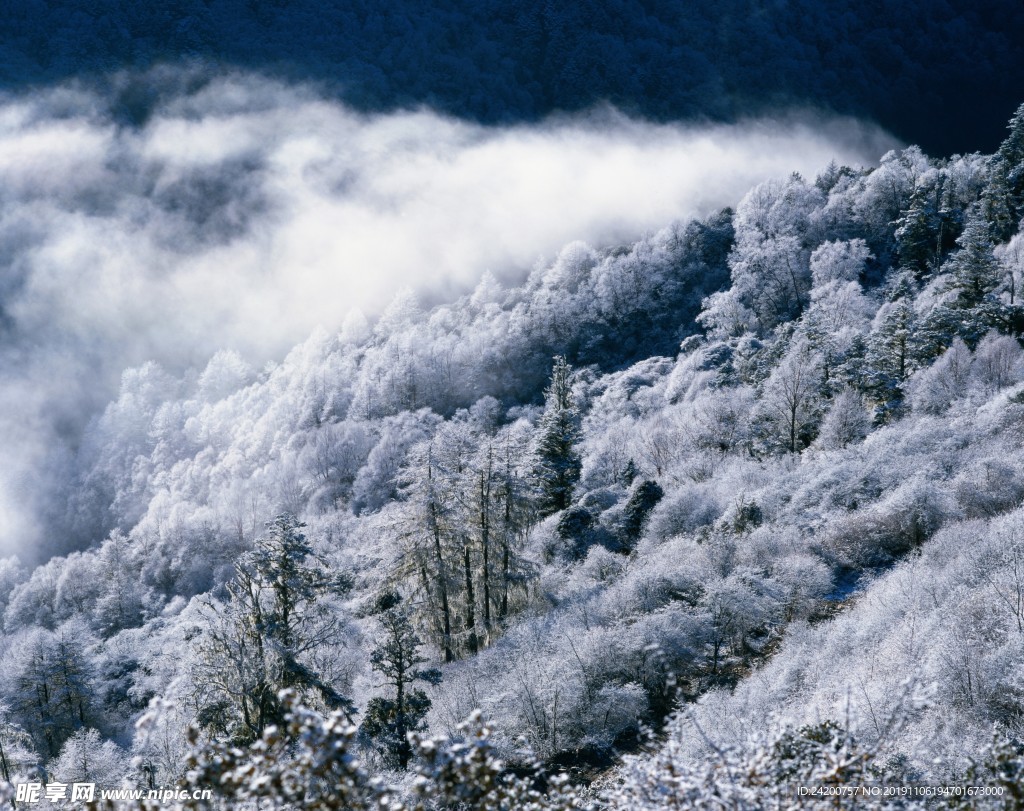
(998, 363)
(989, 487)
(935, 388)
(847, 421)
(684, 509)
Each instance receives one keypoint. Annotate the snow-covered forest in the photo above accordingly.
(751, 482)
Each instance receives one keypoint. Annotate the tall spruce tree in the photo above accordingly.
(919, 231)
(996, 200)
(973, 308)
(1008, 163)
(389, 719)
(974, 271)
(889, 359)
(557, 462)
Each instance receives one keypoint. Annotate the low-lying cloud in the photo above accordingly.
(247, 213)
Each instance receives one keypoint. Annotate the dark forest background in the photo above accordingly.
(941, 74)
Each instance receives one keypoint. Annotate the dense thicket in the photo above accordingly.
(580, 533)
(904, 63)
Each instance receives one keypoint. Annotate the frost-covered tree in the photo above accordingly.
(883, 197)
(426, 526)
(378, 480)
(769, 261)
(512, 517)
(792, 397)
(839, 261)
(998, 363)
(846, 422)
(722, 419)
(997, 204)
(973, 269)
(50, 680)
(971, 278)
(838, 312)
(16, 748)
(934, 388)
(921, 231)
(121, 603)
(1007, 169)
(389, 719)
(557, 461)
(890, 357)
(467, 505)
(265, 637)
(12, 572)
(724, 315)
(642, 500)
(1011, 258)
(160, 744)
(773, 277)
(87, 758)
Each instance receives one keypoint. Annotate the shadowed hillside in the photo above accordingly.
(941, 74)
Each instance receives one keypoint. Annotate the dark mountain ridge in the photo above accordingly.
(940, 74)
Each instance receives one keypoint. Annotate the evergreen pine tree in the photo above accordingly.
(1009, 164)
(557, 463)
(638, 509)
(389, 719)
(996, 203)
(899, 285)
(889, 360)
(852, 369)
(629, 473)
(919, 231)
(974, 271)
(974, 276)
(936, 332)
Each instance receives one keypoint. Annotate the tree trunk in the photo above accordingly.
(485, 539)
(506, 553)
(4, 769)
(471, 642)
(442, 584)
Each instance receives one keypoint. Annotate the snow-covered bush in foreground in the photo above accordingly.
(312, 763)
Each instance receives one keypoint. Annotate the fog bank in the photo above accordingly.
(247, 213)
